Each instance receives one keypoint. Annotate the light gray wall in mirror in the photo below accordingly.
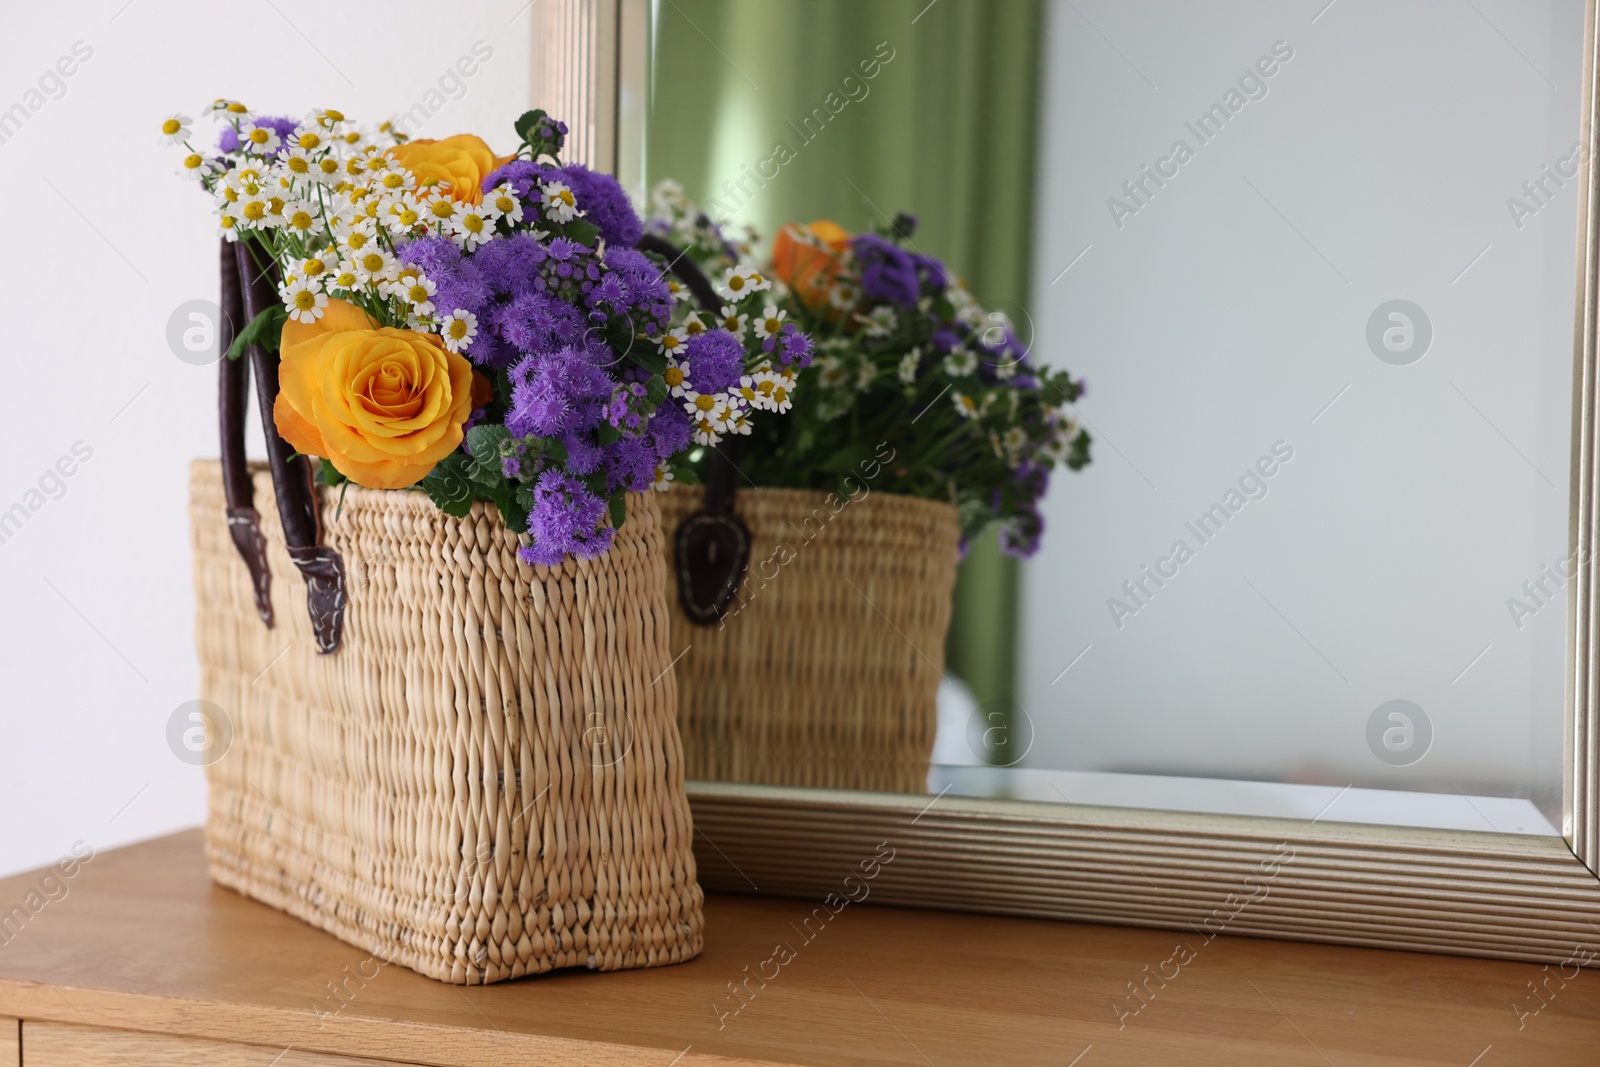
(1229, 312)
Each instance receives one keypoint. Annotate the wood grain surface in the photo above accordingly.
(143, 941)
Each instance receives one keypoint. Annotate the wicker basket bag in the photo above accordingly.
(455, 760)
(825, 670)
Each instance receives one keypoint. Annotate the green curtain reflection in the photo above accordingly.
(773, 111)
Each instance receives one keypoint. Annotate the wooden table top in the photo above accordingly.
(143, 941)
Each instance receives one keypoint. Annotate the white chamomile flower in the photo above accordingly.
(395, 179)
(254, 211)
(693, 324)
(505, 202)
(662, 480)
(966, 407)
(231, 109)
(832, 372)
(779, 396)
(175, 128)
(844, 296)
(344, 277)
(713, 408)
(705, 432)
(315, 268)
(740, 281)
(558, 202)
(260, 140)
(374, 265)
(308, 139)
(325, 118)
(304, 301)
(194, 167)
(300, 216)
(400, 213)
(459, 329)
(228, 225)
(298, 163)
(676, 376)
(770, 324)
(678, 290)
(440, 211)
(732, 321)
(350, 139)
(908, 365)
(748, 392)
(961, 363)
(325, 171)
(1015, 439)
(472, 226)
(672, 342)
(418, 292)
(881, 321)
(739, 425)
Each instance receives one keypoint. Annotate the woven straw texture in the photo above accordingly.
(485, 781)
(826, 670)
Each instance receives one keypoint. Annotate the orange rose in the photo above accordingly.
(383, 405)
(805, 258)
(462, 161)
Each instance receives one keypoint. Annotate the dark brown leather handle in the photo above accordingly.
(244, 522)
(292, 480)
(712, 546)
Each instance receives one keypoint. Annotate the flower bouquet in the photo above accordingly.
(476, 772)
(921, 421)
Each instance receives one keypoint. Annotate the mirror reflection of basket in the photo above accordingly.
(483, 781)
(825, 670)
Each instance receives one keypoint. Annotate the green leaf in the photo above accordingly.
(584, 232)
(449, 486)
(618, 505)
(328, 474)
(655, 392)
(607, 433)
(645, 355)
(266, 329)
(484, 441)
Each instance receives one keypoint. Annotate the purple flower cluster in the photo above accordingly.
(599, 195)
(558, 319)
(888, 272)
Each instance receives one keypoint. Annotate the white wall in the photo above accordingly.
(1229, 311)
(101, 242)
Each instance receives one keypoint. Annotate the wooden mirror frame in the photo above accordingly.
(1460, 892)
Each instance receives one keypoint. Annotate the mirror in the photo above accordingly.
(1316, 268)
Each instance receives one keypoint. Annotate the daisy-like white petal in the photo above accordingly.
(175, 128)
(471, 226)
(676, 376)
(672, 342)
(908, 365)
(300, 216)
(260, 140)
(505, 202)
(732, 321)
(770, 324)
(558, 202)
(459, 329)
(662, 480)
(305, 303)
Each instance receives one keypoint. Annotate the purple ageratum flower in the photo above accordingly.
(887, 271)
(716, 360)
(536, 322)
(795, 347)
(523, 175)
(555, 395)
(946, 339)
(670, 430)
(630, 463)
(435, 255)
(508, 265)
(604, 204)
(935, 279)
(565, 520)
(645, 281)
